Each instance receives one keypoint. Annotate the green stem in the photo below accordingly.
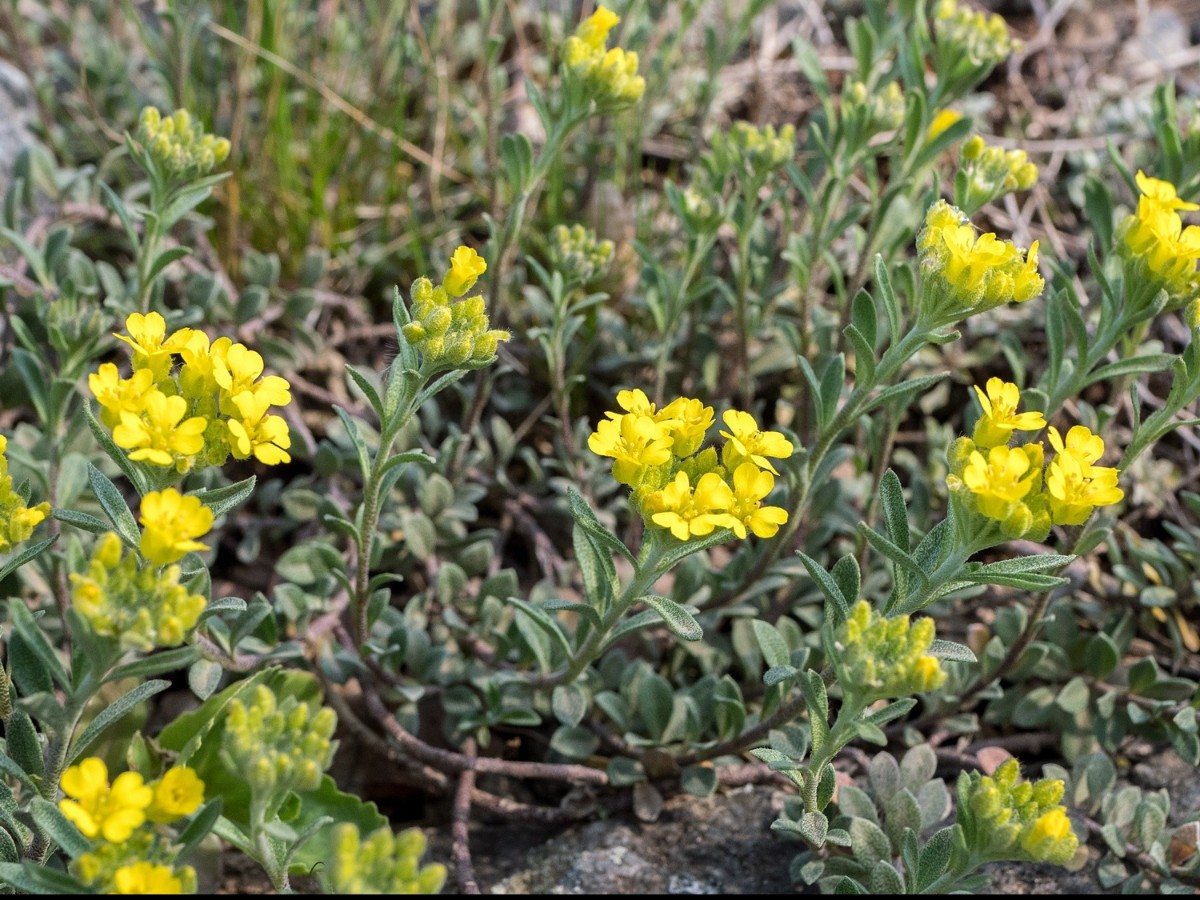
(371, 509)
(647, 573)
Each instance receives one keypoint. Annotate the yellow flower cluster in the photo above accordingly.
(448, 331)
(382, 864)
(215, 404)
(982, 38)
(1158, 249)
(762, 149)
(279, 747)
(1006, 484)
(17, 520)
(142, 606)
(1005, 817)
(988, 173)
(179, 144)
(609, 77)
(968, 273)
(680, 488)
(129, 858)
(886, 657)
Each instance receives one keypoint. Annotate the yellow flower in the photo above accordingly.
(99, 810)
(688, 422)
(178, 793)
(746, 442)
(236, 368)
(160, 435)
(610, 76)
(147, 878)
(1086, 447)
(1156, 241)
(17, 520)
(943, 120)
(688, 513)
(1000, 417)
(254, 432)
(969, 273)
(751, 485)
(998, 480)
(117, 395)
(170, 524)
(1162, 192)
(152, 348)
(465, 266)
(1075, 488)
(594, 30)
(635, 442)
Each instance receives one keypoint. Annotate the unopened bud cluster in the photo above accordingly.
(452, 332)
(179, 144)
(382, 864)
(886, 657)
(578, 254)
(759, 149)
(988, 173)
(868, 112)
(142, 606)
(1007, 818)
(982, 38)
(279, 746)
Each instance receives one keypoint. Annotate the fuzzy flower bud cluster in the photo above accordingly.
(448, 331)
(17, 520)
(982, 38)
(869, 112)
(179, 144)
(679, 487)
(215, 403)
(578, 254)
(142, 606)
(759, 149)
(882, 657)
(382, 864)
(1008, 485)
(1159, 252)
(966, 273)
(279, 746)
(988, 173)
(1007, 818)
(124, 820)
(608, 76)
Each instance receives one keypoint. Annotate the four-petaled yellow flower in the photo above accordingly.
(1000, 417)
(17, 520)
(465, 266)
(999, 481)
(170, 524)
(689, 512)
(147, 878)
(751, 485)
(609, 76)
(1075, 488)
(1155, 243)
(635, 442)
(688, 421)
(97, 809)
(746, 442)
(255, 432)
(178, 793)
(160, 434)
